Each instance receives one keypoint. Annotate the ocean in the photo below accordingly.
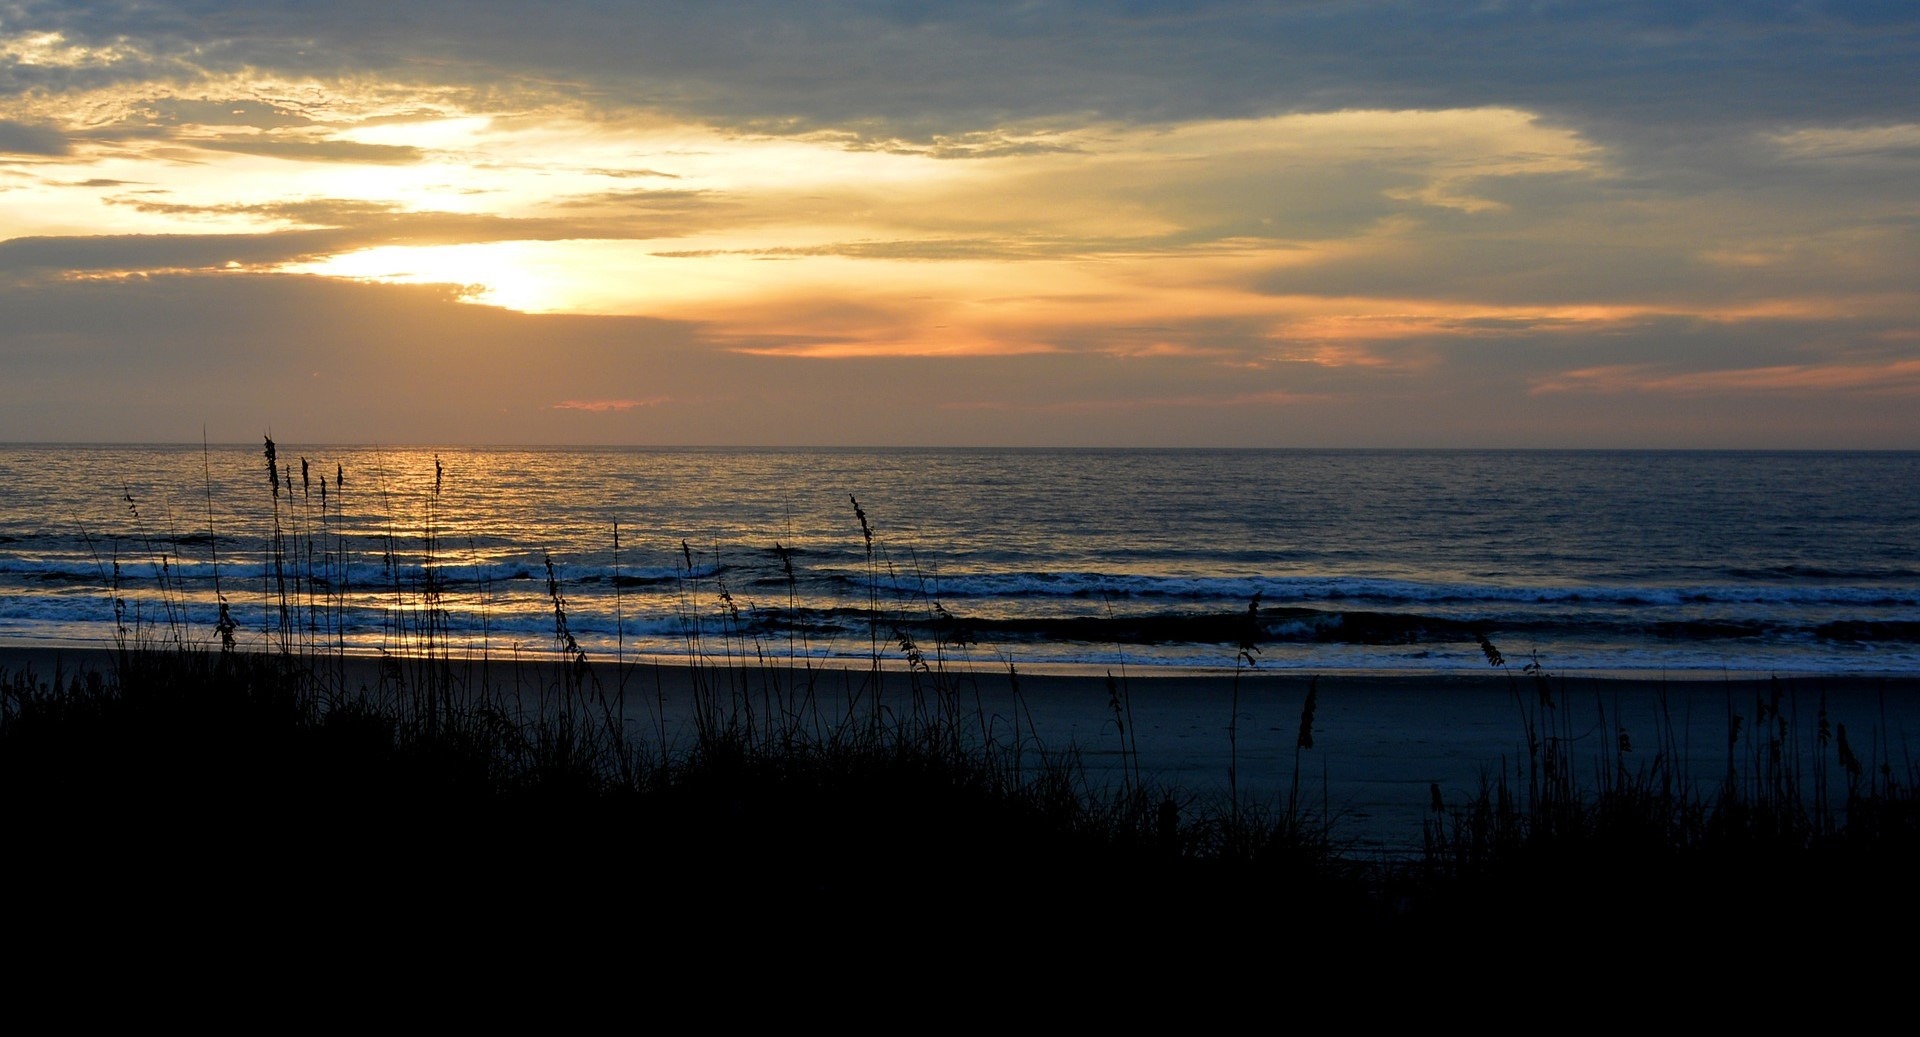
(1685, 564)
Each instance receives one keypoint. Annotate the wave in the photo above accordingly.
(760, 569)
(1286, 637)
(1372, 589)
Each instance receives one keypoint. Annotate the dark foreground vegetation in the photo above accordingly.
(295, 791)
(823, 799)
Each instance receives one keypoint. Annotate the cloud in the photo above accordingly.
(240, 111)
(311, 150)
(1899, 377)
(932, 249)
(975, 144)
(640, 200)
(19, 138)
(625, 174)
(919, 72)
(1897, 141)
(344, 226)
(1303, 222)
(598, 406)
(1145, 403)
(155, 358)
(160, 252)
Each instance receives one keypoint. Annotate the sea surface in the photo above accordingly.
(1586, 562)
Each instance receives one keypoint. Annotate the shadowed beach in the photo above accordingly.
(1381, 742)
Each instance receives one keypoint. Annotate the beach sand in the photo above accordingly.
(1381, 743)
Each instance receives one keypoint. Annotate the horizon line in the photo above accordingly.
(1028, 447)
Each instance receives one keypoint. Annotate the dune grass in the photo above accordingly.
(1636, 839)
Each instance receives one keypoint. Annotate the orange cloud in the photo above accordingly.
(1168, 349)
(1379, 319)
(1899, 377)
(1269, 398)
(1332, 354)
(869, 350)
(609, 405)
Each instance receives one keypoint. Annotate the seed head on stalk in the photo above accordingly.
(273, 468)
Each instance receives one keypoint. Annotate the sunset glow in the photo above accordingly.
(816, 241)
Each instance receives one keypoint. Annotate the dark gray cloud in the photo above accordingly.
(132, 252)
(979, 144)
(917, 71)
(351, 225)
(280, 131)
(312, 150)
(19, 138)
(259, 115)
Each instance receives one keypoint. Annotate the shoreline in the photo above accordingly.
(101, 652)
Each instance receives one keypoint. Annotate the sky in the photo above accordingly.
(1286, 223)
